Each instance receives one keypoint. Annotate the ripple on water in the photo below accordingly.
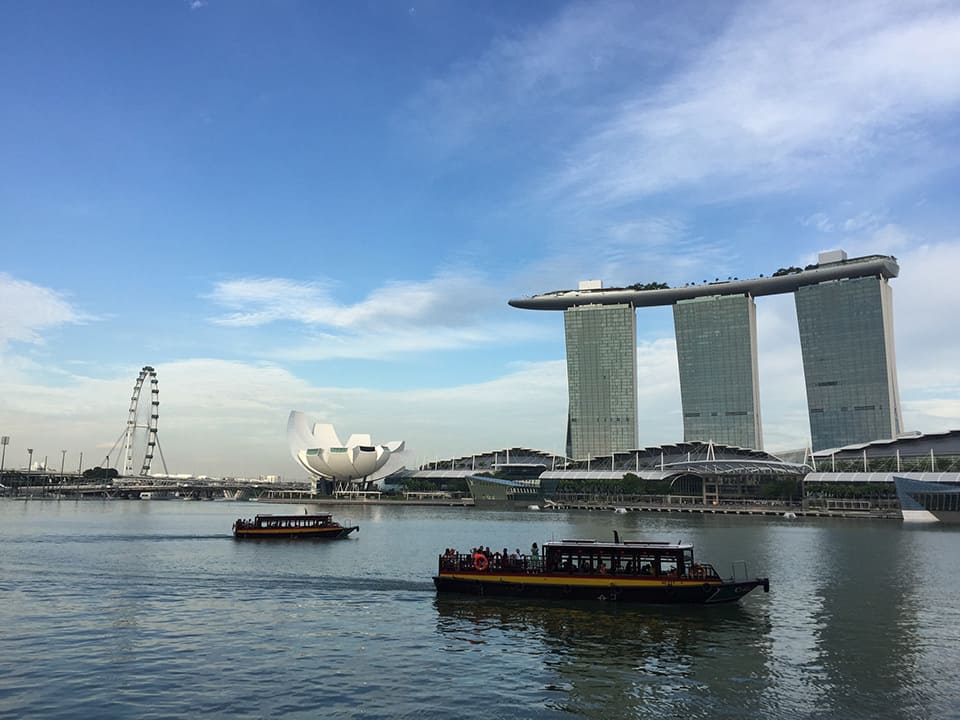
(141, 611)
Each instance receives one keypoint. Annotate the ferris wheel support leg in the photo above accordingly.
(162, 459)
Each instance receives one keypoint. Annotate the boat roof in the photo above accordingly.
(318, 516)
(632, 545)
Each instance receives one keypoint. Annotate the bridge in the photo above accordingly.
(40, 484)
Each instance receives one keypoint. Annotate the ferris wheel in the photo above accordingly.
(140, 435)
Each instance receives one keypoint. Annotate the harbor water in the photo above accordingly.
(150, 609)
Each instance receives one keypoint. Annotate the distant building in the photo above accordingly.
(706, 473)
(717, 355)
(846, 336)
(922, 469)
(601, 377)
(345, 466)
(845, 314)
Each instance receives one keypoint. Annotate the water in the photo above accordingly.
(150, 609)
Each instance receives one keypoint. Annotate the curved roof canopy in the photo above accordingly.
(880, 265)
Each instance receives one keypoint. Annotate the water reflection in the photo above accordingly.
(844, 618)
(614, 661)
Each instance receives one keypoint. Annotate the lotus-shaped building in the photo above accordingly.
(319, 451)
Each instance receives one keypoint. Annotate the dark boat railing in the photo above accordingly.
(482, 564)
(286, 523)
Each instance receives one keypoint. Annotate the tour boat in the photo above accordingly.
(291, 526)
(641, 572)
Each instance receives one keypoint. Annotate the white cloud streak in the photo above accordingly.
(787, 90)
(446, 300)
(27, 309)
(445, 313)
(559, 67)
(784, 91)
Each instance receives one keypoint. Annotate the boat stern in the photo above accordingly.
(733, 591)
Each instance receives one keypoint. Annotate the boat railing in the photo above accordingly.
(740, 564)
(452, 561)
(703, 571)
(495, 562)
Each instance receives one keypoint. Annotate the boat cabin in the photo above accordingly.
(654, 559)
(286, 522)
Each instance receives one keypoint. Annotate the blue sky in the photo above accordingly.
(325, 207)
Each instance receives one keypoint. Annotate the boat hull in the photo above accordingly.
(327, 533)
(653, 592)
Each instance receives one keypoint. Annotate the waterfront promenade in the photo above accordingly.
(70, 486)
(758, 509)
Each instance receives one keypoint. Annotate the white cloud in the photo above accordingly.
(865, 220)
(27, 309)
(783, 399)
(820, 221)
(659, 417)
(219, 417)
(229, 418)
(448, 312)
(641, 249)
(927, 345)
(445, 300)
(788, 90)
(559, 69)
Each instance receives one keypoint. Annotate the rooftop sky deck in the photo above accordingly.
(871, 265)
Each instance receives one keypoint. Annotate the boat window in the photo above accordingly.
(618, 561)
(643, 562)
(668, 565)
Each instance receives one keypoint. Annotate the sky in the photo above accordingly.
(326, 206)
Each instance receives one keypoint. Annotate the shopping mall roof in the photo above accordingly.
(942, 443)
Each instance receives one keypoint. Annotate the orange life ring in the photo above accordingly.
(697, 571)
(480, 562)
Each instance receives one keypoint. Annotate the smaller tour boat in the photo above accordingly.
(642, 572)
(291, 526)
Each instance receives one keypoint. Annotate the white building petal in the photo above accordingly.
(317, 448)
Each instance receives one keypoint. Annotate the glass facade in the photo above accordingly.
(846, 337)
(717, 354)
(601, 379)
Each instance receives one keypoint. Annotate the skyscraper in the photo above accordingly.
(846, 338)
(845, 314)
(601, 378)
(717, 354)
